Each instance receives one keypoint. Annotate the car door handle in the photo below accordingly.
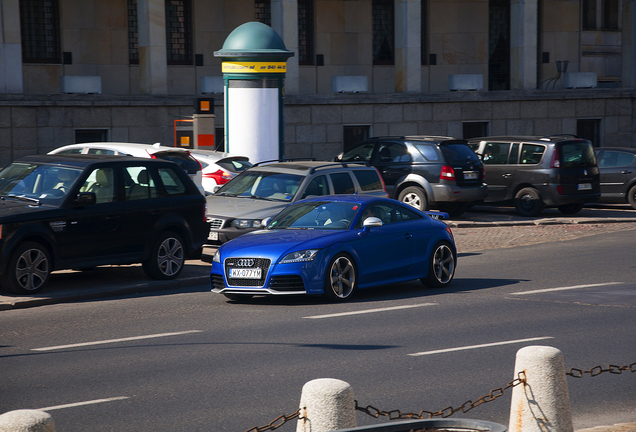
(506, 175)
(626, 172)
(408, 236)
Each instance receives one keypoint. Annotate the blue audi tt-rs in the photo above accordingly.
(335, 245)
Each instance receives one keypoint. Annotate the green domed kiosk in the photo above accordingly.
(254, 62)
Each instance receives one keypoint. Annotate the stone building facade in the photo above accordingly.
(124, 70)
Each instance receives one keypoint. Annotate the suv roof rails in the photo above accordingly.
(331, 165)
(283, 160)
(564, 135)
(419, 137)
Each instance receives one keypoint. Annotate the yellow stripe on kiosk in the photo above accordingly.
(254, 67)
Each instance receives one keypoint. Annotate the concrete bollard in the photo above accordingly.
(542, 404)
(26, 421)
(326, 404)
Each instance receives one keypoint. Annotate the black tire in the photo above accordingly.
(167, 257)
(28, 269)
(454, 209)
(631, 196)
(238, 297)
(341, 278)
(570, 208)
(528, 202)
(441, 266)
(415, 197)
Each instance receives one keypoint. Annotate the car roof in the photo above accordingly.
(80, 160)
(430, 138)
(214, 155)
(625, 149)
(528, 138)
(305, 167)
(136, 149)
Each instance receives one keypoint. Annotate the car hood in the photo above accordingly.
(244, 207)
(274, 243)
(11, 209)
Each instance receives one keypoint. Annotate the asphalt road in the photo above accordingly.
(194, 361)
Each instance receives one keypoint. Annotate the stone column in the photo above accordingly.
(285, 23)
(629, 44)
(153, 62)
(408, 43)
(10, 48)
(523, 44)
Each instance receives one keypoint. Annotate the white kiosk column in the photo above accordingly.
(254, 64)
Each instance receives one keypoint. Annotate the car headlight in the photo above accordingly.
(217, 257)
(300, 256)
(246, 223)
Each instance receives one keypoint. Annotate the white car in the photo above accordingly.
(219, 167)
(181, 157)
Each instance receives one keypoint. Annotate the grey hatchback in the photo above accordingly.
(424, 171)
(618, 174)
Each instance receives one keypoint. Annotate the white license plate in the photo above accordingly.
(213, 235)
(470, 175)
(585, 186)
(245, 273)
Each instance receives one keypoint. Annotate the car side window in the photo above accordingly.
(171, 181)
(428, 151)
(98, 151)
(342, 183)
(496, 153)
(71, 151)
(513, 159)
(531, 154)
(101, 182)
(139, 183)
(317, 187)
(368, 180)
(616, 159)
(393, 152)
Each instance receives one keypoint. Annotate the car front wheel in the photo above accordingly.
(341, 279)
(441, 266)
(28, 269)
(528, 202)
(631, 197)
(415, 197)
(167, 257)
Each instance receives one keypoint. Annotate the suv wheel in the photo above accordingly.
(167, 257)
(415, 197)
(28, 269)
(570, 208)
(631, 197)
(528, 202)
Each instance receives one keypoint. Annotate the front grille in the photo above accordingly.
(287, 283)
(261, 263)
(216, 223)
(216, 281)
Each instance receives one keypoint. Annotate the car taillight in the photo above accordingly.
(556, 160)
(448, 173)
(220, 176)
(560, 190)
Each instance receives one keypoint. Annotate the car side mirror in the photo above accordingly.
(86, 198)
(216, 189)
(372, 222)
(266, 222)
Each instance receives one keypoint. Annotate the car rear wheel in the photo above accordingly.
(341, 279)
(415, 197)
(167, 257)
(528, 202)
(631, 196)
(570, 208)
(441, 267)
(28, 269)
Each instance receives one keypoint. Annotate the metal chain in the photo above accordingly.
(446, 412)
(597, 370)
(277, 422)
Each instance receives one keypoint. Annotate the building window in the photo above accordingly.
(589, 129)
(383, 32)
(40, 25)
(306, 32)
(91, 135)
(351, 135)
(475, 129)
(179, 32)
(499, 45)
(133, 33)
(263, 11)
(600, 15)
(424, 32)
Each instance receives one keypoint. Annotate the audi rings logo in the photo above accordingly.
(245, 262)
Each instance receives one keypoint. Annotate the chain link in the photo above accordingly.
(597, 370)
(277, 422)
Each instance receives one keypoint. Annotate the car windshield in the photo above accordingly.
(577, 154)
(316, 215)
(38, 182)
(264, 185)
(359, 153)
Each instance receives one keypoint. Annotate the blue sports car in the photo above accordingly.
(334, 245)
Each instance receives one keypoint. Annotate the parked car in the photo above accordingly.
(617, 166)
(81, 211)
(424, 171)
(265, 189)
(181, 157)
(536, 172)
(219, 168)
(334, 245)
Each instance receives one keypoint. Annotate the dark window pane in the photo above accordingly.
(383, 32)
(179, 32)
(91, 135)
(133, 33)
(589, 129)
(475, 129)
(306, 32)
(424, 34)
(40, 25)
(588, 10)
(610, 15)
(263, 11)
(354, 134)
(499, 45)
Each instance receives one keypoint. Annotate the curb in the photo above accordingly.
(540, 222)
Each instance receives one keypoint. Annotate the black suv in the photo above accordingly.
(536, 172)
(424, 171)
(80, 211)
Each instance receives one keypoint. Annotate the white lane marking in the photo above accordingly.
(134, 338)
(565, 288)
(481, 346)
(370, 311)
(96, 401)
